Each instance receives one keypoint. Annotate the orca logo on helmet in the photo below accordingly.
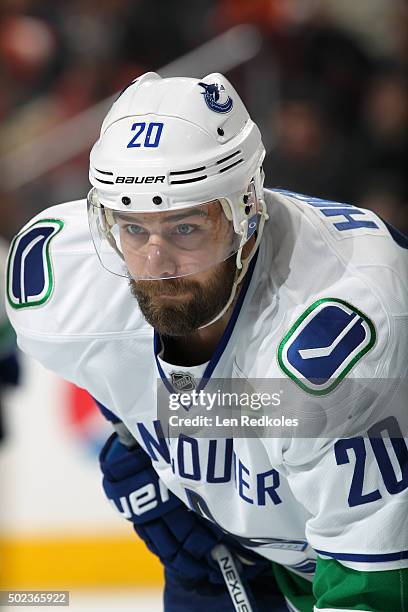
(211, 95)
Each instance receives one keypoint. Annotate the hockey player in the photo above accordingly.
(189, 272)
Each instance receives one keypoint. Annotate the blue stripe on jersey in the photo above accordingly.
(307, 567)
(365, 558)
(106, 413)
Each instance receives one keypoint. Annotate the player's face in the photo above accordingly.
(179, 306)
(180, 265)
(177, 243)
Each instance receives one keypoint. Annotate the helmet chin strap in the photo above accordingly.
(242, 264)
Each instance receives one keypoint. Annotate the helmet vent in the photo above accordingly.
(190, 180)
(224, 159)
(239, 161)
(187, 171)
(106, 182)
(104, 172)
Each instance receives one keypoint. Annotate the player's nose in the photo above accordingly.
(159, 262)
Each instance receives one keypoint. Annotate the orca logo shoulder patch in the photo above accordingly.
(324, 343)
(29, 270)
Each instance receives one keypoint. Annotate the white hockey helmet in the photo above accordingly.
(175, 144)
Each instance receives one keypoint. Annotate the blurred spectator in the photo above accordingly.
(29, 58)
(383, 133)
(381, 148)
(309, 156)
(374, 22)
(387, 199)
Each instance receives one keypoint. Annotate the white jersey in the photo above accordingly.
(324, 310)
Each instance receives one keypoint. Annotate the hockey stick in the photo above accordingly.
(232, 579)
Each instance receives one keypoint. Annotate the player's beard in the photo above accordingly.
(202, 303)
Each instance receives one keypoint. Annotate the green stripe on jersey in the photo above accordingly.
(297, 590)
(337, 586)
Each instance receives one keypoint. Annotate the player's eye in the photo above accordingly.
(185, 229)
(135, 230)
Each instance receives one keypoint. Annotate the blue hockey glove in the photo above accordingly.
(179, 537)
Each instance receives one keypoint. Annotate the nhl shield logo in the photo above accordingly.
(183, 381)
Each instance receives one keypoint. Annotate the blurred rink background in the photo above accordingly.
(327, 83)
